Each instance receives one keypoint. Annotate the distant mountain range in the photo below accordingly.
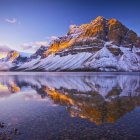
(101, 45)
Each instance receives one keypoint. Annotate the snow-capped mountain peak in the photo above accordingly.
(101, 45)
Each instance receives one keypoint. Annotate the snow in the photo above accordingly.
(5, 66)
(29, 64)
(102, 60)
(104, 52)
(129, 61)
(107, 43)
(53, 62)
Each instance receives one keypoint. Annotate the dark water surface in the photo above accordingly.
(70, 106)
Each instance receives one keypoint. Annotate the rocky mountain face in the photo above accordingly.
(12, 56)
(12, 60)
(39, 52)
(96, 34)
(101, 45)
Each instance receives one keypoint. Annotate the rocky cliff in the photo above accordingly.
(101, 45)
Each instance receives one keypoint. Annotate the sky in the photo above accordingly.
(27, 24)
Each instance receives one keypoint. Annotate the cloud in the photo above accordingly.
(33, 46)
(41, 43)
(51, 38)
(11, 21)
(26, 46)
(4, 49)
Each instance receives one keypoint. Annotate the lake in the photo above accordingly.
(70, 106)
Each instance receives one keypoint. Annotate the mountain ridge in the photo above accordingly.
(101, 45)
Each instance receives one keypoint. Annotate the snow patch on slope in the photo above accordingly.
(129, 61)
(103, 60)
(5, 66)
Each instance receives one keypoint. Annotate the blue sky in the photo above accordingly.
(26, 23)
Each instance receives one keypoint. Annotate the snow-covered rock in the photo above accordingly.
(101, 45)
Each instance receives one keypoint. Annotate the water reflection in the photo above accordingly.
(99, 98)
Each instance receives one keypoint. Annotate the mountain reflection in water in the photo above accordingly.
(99, 98)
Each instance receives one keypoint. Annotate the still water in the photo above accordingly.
(70, 106)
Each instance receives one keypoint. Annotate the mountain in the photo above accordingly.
(101, 45)
(12, 60)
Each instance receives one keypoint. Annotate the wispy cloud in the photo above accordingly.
(4, 49)
(51, 38)
(33, 46)
(41, 43)
(11, 21)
